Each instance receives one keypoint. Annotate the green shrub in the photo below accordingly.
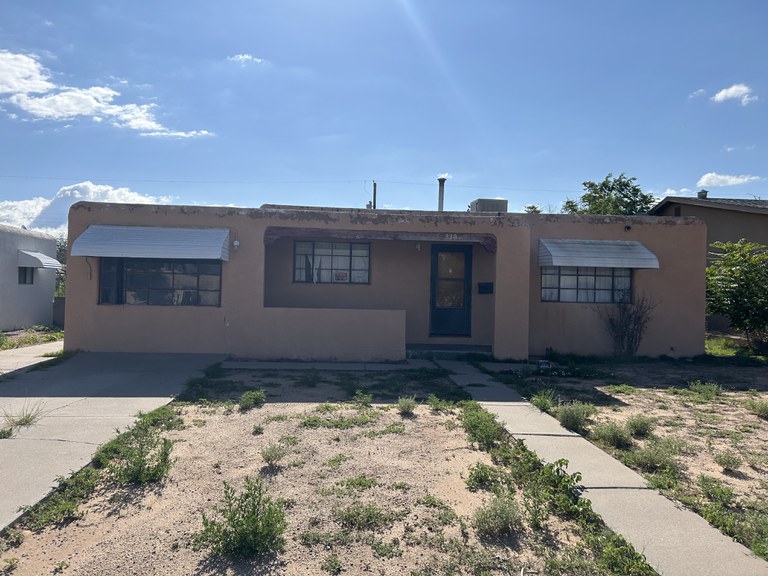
(6, 433)
(500, 517)
(706, 390)
(575, 416)
(362, 399)
(251, 524)
(482, 477)
(481, 426)
(252, 399)
(655, 457)
(437, 404)
(758, 407)
(728, 460)
(257, 430)
(715, 490)
(360, 516)
(406, 405)
(332, 565)
(641, 426)
(361, 482)
(62, 505)
(140, 454)
(545, 400)
(272, 454)
(613, 435)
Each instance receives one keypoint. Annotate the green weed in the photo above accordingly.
(337, 461)
(500, 517)
(481, 426)
(332, 565)
(612, 434)
(361, 516)
(482, 477)
(252, 399)
(545, 400)
(272, 455)
(406, 405)
(728, 460)
(574, 416)
(758, 407)
(61, 506)
(251, 524)
(641, 426)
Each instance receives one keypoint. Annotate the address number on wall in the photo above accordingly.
(450, 236)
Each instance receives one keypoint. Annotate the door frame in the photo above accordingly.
(457, 321)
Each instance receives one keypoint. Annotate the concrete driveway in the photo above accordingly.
(82, 401)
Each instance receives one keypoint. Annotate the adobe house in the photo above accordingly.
(727, 219)
(289, 282)
(28, 268)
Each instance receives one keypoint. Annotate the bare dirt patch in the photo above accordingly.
(412, 469)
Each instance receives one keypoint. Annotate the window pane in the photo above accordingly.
(360, 276)
(324, 275)
(359, 263)
(185, 281)
(604, 271)
(160, 280)
(567, 295)
(549, 270)
(604, 282)
(449, 294)
(622, 283)
(209, 282)
(183, 298)
(323, 248)
(160, 297)
(341, 262)
(587, 282)
(586, 296)
(621, 272)
(586, 270)
(549, 295)
(209, 299)
(568, 281)
(360, 249)
(185, 267)
(603, 296)
(135, 278)
(450, 265)
(135, 296)
(568, 270)
(210, 268)
(341, 247)
(549, 281)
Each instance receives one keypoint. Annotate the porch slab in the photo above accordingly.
(327, 366)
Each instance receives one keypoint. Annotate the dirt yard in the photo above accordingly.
(412, 469)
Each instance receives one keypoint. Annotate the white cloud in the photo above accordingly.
(740, 92)
(670, 192)
(245, 59)
(729, 148)
(684, 190)
(50, 215)
(22, 74)
(697, 93)
(715, 179)
(22, 77)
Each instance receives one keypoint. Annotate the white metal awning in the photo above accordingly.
(597, 253)
(28, 259)
(153, 242)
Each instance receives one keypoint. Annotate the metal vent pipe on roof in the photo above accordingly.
(702, 194)
(440, 192)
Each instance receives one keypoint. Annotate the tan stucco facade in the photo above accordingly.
(265, 314)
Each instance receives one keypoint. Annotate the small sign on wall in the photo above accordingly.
(485, 287)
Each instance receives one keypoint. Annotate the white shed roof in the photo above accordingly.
(153, 242)
(597, 253)
(28, 259)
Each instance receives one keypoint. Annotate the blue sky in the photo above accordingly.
(305, 102)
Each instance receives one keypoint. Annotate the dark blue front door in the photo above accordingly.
(451, 290)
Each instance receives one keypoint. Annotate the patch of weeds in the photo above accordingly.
(289, 440)
(252, 399)
(612, 434)
(482, 477)
(332, 565)
(337, 461)
(437, 404)
(729, 461)
(199, 422)
(641, 426)
(385, 549)
(325, 539)
(361, 399)
(444, 514)
(272, 455)
(140, 454)
(13, 538)
(706, 391)
(6, 433)
(500, 517)
(61, 506)
(257, 430)
(326, 407)
(276, 418)
(572, 561)
(360, 516)
(620, 389)
(399, 486)
(545, 400)
(481, 426)
(359, 483)
(394, 428)
(10, 564)
(715, 490)
(406, 405)
(341, 422)
(655, 457)
(574, 416)
(615, 555)
(59, 567)
(27, 416)
(758, 407)
(251, 524)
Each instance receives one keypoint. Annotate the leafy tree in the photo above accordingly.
(737, 278)
(61, 256)
(532, 209)
(620, 195)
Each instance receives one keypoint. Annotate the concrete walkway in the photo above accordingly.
(18, 359)
(675, 541)
(81, 402)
